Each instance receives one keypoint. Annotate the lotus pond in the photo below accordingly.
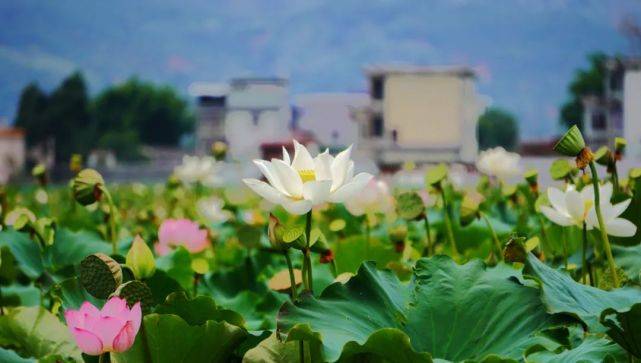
(317, 263)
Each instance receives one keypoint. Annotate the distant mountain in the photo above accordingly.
(525, 51)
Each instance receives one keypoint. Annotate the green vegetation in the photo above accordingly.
(498, 127)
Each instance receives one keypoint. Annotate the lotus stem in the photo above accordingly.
(448, 224)
(602, 228)
(495, 237)
(584, 265)
(292, 278)
(112, 223)
(307, 261)
(565, 248)
(367, 235)
(429, 249)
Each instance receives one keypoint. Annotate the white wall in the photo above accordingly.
(632, 113)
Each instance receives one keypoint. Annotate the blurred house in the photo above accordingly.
(12, 152)
(245, 113)
(420, 114)
(618, 112)
(330, 116)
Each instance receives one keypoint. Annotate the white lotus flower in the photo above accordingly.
(375, 197)
(573, 208)
(306, 182)
(212, 210)
(194, 169)
(499, 163)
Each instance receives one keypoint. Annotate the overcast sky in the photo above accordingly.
(524, 51)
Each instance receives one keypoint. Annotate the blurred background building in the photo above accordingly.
(12, 152)
(420, 113)
(617, 111)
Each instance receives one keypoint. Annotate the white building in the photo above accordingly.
(245, 113)
(12, 152)
(330, 116)
(618, 112)
(420, 114)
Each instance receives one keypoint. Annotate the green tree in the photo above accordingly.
(158, 115)
(585, 82)
(498, 127)
(68, 119)
(30, 115)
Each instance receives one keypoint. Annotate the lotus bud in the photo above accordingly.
(219, 150)
(470, 207)
(573, 144)
(619, 147)
(140, 259)
(75, 163)
(19, 218)
(100, 275)
(88, 187)
(136, 291)
(275, 232)
(410, 206)
(40, 173)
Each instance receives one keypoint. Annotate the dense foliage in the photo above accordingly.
(201, 270)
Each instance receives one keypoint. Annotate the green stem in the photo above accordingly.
(112, 223)
(495, 237)
(602, 228)
(307, 252)
(615, 178)
(544, 234)
(101, 358)
(565, 248)
(292, 279)
(367, 236)
(584, 265)
(448, 225)
(301, 349)
(429, 249)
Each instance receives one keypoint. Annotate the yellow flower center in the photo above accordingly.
(587, 205)
(307, 175)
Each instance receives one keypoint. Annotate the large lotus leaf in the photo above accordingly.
(353, 251)
(25, 251)
(448, 311)
(273, 350)
(198, 310)
(35, 332)
(69, 248)
(177, 265)
(73, 294)
(593, 349)
(561, 294)
(9, 356)
(629, 259)
(167, 338)
(624, 327)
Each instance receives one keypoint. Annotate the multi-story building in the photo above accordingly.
(420, 114)
(618, 112)
(246, 113)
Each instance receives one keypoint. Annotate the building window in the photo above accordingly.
(377, 126)
(377, 88)
(598, 121)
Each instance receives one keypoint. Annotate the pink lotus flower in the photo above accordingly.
(181, 232)
(112, 329)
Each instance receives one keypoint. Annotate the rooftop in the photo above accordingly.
(455, 70)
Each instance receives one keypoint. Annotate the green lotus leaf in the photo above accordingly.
(624, 327)
(198, 310)
(25, 251)
(9, 356)
(35, 332)
(167, 338)
(593, 349)
(69, 248)
(273, 350)
(629, 259)
(448, 311)
(561, 294)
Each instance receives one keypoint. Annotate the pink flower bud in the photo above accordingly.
(181, 232)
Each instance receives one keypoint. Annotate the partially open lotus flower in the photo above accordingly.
(375, 198)
(112, 329)
(304, 182)
(499, 163)
(181, 232)
(205, 170)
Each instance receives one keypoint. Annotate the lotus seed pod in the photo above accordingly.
(435, 175)
(136, 291)
(219, 150)
(561, 169)
(100, 275)
(88, 187)
(40, 173)
(409, 206)
(571, 144)
(531, 177)
(619, 145)
(603, 156)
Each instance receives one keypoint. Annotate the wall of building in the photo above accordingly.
(632, 113)
(12, 153)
